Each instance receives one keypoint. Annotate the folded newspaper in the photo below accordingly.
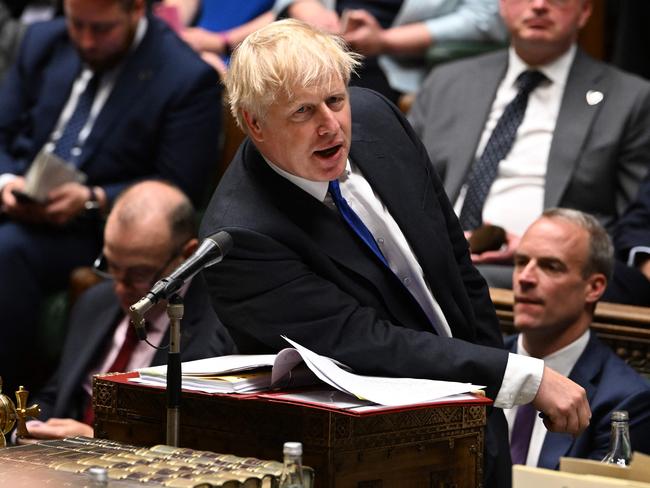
(253, 373)
(46, 173)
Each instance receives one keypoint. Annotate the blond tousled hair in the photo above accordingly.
(280, 57)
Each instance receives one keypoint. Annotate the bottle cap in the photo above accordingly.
(99, 475)
(620, 416)
(292, 448)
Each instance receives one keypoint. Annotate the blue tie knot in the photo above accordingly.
(353, 220)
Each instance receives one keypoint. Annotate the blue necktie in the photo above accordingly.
(522, 431)
(353, 220)
(77, 121)
(484, 170)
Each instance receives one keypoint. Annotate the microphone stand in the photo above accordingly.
(175, 310)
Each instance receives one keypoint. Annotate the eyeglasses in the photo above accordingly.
(135, 276)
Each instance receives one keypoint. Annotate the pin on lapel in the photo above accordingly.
(594, 97)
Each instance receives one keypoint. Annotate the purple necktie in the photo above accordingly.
(521, 433)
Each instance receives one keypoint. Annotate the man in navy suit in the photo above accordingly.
(562, 265)
(404, 299)
(150, 231)
(631, 282)
(152, 110)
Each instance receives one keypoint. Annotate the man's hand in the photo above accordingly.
(66, 202)
(55, 429)
(315, 14)
(645, 268)
(563, 403)
(500, 256)
(363, 32)
(33, 213)
(216, 62)
(202, 40)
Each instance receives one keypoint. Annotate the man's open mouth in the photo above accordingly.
(329, 152)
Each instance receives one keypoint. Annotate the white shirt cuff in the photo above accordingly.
(6, 178)
(520, 382)
(631, 260)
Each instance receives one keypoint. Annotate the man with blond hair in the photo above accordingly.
(346, 243)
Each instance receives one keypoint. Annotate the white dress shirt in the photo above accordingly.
(523, 374)
(521, 177)
(561, 361)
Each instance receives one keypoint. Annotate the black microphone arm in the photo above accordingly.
(211, 251)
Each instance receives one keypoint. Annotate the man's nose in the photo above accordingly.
(539, 4)
(86, 38)
(328, 123)
(526, 275)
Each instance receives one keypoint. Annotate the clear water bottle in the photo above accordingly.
(620, 449)
(292, 476)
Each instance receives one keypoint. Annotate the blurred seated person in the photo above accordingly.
(535, 126)
(14, 18)
(115, 93)
(394, 35)
(150, 232)
(214, 29)
(631, 282)
(562, 266)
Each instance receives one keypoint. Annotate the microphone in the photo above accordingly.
(211, 251)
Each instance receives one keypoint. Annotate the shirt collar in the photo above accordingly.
(317, 189)
(562, 360)
(557, 71)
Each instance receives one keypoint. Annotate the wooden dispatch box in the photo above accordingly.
(424, 446)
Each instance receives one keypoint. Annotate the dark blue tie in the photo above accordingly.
(77, 121)
(484, 170)
(353, 220)
(522, 431)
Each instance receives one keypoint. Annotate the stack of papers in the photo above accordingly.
(46, 173)
(299, 366)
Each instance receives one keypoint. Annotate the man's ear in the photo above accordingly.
(189, 248)
(587, 9)
(254, 128)
(596, 285)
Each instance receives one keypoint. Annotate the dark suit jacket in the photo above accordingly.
(297, 269)
(599, 153)
(634, 227)
(611, 385)
(92, 322)
(161, 120)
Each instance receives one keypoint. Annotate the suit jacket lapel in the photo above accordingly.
(479, 91)
(585, 370)
(91, 344)
(409, 202)
(573, 125)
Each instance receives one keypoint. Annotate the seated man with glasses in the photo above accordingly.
(150, 231)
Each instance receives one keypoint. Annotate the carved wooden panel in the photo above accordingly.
(437, 446)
